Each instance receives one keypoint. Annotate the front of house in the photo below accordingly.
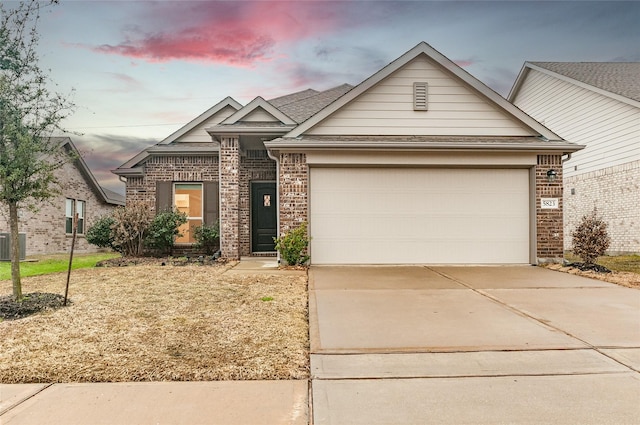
(419, 164)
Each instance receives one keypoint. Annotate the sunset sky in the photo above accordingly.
(140, 70)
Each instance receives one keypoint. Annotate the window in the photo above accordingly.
(187, 198)
(74, 206)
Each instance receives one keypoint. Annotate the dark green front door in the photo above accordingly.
(263, 216)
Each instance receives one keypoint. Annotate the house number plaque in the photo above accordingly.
(549, 203)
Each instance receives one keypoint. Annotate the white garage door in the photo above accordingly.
(419, 216)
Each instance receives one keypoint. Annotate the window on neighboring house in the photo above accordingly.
(74, 206)
(187, 198)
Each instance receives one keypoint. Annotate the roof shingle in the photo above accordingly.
(622, 78)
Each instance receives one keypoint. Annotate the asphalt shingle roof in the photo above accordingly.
(622, 78)
(302, 105)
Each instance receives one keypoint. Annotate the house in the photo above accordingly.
(596, 104)
(49, 229)
(419, 163)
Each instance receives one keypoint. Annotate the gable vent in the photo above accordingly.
(420, 96)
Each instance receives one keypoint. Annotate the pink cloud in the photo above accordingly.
(230, 33)
(464, 63)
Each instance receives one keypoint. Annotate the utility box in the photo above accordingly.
(5, 246)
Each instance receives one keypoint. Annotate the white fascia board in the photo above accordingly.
(228, 101)
(256, 103)
(129, 172)
(424, 48)
(540, 147)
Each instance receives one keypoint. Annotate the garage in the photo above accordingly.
(419, 215)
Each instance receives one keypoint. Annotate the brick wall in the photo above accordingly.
(294, 184)
(549, 221)
(615, 192)
(256, 166)
(229, 197)
(45, 228)
(170, 168)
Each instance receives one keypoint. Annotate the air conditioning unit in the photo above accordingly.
(5, 246)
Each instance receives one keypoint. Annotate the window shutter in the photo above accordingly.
(210, 202)
(163, 196)
(420, 96)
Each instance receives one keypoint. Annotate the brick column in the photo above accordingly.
(294, 184)
(229, 197)
(549, 225)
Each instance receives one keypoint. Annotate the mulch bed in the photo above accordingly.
(32, 303)
(587, 267)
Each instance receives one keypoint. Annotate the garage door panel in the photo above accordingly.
(396, 216)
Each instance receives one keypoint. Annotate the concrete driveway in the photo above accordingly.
(417, 345)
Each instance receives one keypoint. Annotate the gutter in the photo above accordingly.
(277, 160)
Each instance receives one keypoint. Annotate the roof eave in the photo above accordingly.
(553, 146)
(129, 172)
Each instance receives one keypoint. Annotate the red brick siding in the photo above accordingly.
(229, 197)
(549, 224)
(173, 169)
(294, 186)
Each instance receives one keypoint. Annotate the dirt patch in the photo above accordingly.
(160, 323)
(628, 279)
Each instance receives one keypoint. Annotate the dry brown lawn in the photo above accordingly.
(160, 323)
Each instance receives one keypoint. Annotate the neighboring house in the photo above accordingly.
(596, 104)
(420, 163)
(49, 229)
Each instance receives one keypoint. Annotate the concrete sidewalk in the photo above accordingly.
(475, 345)
(188, 403)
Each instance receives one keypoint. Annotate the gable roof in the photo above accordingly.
(424, 49)
(128, 167)
(105, 195)
(613, 79)
(300, 108)
(257, 104)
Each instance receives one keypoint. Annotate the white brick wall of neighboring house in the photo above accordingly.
(615, 192)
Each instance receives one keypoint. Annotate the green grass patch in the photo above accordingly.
(617, 263)
(54, 264)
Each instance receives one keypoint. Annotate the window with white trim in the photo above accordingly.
(73, 206)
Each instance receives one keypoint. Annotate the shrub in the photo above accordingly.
(129, 228)
(100, 233)
(293, 245)
(590, 238)
(207, 238)
(163, 230)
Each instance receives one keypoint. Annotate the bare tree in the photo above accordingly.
(30, 113)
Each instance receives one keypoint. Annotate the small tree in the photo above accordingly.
(164, 229)
(293, 245)
(129, 228)
(207, 238)
(100, 234)
(590, 238)
(29, 114)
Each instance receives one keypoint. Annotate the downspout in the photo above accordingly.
(277, 160)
